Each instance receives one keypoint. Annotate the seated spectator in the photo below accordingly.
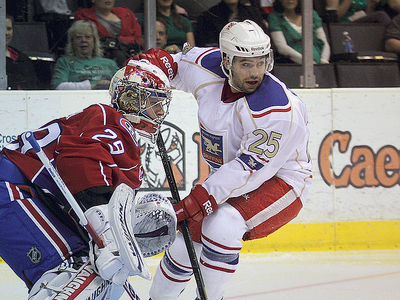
(162, 36)
(20, 69)
(267, 7)
(179, 28)
(83, 67)
(285, 25)
(119, 30)
(392, 36)
(331, 7)
(210, 22)
(161, 33)
(391, 7)
(360, 11)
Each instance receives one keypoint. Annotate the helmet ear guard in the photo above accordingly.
(141, 92)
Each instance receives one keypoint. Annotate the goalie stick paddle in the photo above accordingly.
(30, 137)
(184, 226)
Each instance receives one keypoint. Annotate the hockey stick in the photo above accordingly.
(184, 226)
(30, 137)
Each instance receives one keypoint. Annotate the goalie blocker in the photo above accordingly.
(131, 229)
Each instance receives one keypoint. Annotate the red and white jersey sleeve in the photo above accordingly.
(95, 147)
(250, 139)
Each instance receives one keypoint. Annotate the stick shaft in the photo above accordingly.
(71, 200)
(184, 226)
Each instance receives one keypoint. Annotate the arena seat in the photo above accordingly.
(366, 74)
(31, 38)
(290, 74)
(367, 39)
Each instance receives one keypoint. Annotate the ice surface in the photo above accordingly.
(336, 275)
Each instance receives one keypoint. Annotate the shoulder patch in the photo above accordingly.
(270, 97)
(211, 60)
(250, 163)
(186, 48)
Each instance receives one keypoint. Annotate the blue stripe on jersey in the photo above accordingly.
(212, 62)
(269, 94)
(249, 161)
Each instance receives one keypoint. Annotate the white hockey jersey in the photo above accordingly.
(250, 139)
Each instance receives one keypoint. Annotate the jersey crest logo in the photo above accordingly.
(129, 128)
(211, 148)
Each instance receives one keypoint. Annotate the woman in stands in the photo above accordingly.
(285, 25)
(360, 11)
(83, 67)
(180, 29)
(117, 26)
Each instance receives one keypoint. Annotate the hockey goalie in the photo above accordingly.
(97, 155)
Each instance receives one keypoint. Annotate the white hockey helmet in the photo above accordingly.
(244, 39)
(141, 92)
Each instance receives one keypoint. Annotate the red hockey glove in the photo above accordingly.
(160, 58)
(196, 206)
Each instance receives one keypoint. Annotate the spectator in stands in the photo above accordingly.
(119, 30)
(180, 29)
(20, 69)
(162, 36)
(360, 11)
(161, 33)
(285, 25)
(267, 7)
(330, 11)
(83, 67)
(392, 36)
(210, 22)
(391, 7)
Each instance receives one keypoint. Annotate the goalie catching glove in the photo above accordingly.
(161, 59)
(196, 206)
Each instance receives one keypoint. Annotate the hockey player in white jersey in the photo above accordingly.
(254, 137)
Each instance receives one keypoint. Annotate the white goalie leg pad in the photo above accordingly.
(70, 284)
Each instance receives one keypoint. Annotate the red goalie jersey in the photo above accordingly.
(95, 147)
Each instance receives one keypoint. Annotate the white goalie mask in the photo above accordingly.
(141, 92)
(244, 39)
(155, 224)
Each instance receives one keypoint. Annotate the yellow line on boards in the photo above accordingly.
(354, 235)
